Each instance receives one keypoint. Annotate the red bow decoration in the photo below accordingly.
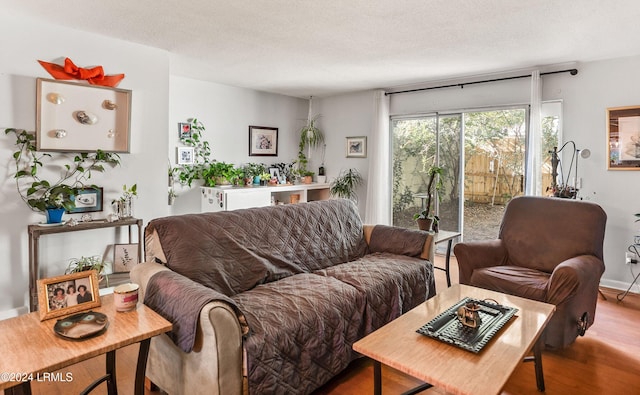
(94, 75)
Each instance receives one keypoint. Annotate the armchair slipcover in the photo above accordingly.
(548, 249)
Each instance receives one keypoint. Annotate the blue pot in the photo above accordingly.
(54, 215)
(256, 180)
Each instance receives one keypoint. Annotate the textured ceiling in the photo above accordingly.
(327, 47)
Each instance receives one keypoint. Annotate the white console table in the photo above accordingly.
(233, 198)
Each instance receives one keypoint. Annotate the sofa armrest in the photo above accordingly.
(478, 254)
(397, 240)
(214, 364)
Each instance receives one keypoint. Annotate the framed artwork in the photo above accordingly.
(275, 172)
(356, 147)
(75, 117)
(186, 155)
(263, 141)
(68, 294)
(623, 138)
(125, 256)
(88, 200)
(184, 130)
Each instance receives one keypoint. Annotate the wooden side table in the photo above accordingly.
(36, 231)
(441, 237)
(30, 348)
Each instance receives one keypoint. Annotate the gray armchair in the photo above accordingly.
(548, 249)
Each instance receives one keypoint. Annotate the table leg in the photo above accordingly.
(537, 357)
(112, 388)
(447, 261)
(21, 389)
(141, 368)
(377, 378)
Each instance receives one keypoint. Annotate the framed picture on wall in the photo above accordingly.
(356, 147)
(74, 117)
(623, 138)
(263, 141)
(186, 155)
(184, 130)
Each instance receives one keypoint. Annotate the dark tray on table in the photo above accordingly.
(447, 328)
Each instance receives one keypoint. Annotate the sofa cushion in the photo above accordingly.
(302, 329)
(233, 251)
(392, 284)
(513, 280)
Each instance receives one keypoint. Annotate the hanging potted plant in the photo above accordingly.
(310, 138)
(425, 219)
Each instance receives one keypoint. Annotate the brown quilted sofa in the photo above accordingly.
(269, 300)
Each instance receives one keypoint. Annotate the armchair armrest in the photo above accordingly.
(478, 254)
(576, 276)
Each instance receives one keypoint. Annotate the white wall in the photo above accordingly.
(227, 112)
(585, 97)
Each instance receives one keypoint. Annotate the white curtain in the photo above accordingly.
(534, 159)
(378, 208)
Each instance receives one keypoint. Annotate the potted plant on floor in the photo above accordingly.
(425, 218)
(344, 186)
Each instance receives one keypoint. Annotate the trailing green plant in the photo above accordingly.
(344, 186)
(310, 138)
(433, 187)
(219, 173)
(38, 192)
(186, 174)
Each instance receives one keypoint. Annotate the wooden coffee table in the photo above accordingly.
(446, 366)
(31, 350)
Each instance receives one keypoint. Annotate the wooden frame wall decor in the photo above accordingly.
(623, 138)
(75, 117)
(88, 200)
(51, 306)
(356, 147)
(125, 256)
(263, 141)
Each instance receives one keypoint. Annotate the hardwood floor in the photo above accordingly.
(605, 361)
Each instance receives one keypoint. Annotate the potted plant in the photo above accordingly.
(219, 173)
(425, 219)
(344, 186)
(124, 205)
(53, 197)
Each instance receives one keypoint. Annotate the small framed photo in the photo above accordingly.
(125, 256)
(275, 172)
(184, 130)
(356, 147)
(186, 155)
(623, 138)
(87, 200)
(263, 141)
(67, 294)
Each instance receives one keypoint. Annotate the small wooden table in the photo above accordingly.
(458, 371)
(30, 348)
(441, 237)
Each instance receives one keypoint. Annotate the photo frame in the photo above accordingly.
(125, 256)
(52, 303)
(185, 155)
(356, 147)
(184, 130)
(263, 141)
(623, 138)
(76, 117)
(88, 200)
(274, 172)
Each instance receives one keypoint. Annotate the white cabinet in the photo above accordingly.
(233, 198)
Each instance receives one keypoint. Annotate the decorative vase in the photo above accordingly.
(124, 207)
(54, 215)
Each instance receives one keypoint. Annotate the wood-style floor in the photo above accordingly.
(605, 361)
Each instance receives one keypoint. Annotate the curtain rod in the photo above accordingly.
(461, 85)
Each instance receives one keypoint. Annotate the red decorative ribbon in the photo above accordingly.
(94, 75)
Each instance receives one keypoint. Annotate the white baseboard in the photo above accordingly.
(620, 285)
(13, 312)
